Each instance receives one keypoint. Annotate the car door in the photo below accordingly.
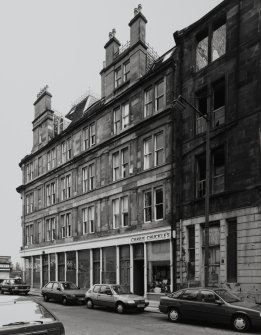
(48, 290)
(211, 309)
(55, 292)
(105, 296)
(5, 285)
(189, 304)
(95, 293)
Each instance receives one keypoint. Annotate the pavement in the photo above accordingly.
(153, 305)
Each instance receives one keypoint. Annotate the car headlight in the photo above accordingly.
(131, 302)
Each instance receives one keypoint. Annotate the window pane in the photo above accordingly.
(219, 42)
(202, 53)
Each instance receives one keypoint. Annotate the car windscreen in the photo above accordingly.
(19, 313)
(69, 286)
(120, 289)
(227, 296)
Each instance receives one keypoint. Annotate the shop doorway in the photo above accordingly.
(138, 279)
(138, 269)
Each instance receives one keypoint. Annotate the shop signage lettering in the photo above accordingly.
(151, 237)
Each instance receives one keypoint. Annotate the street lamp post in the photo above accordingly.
(179, 104)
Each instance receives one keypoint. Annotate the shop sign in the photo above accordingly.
(4, 266)
(151, 237)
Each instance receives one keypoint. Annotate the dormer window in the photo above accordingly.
(117, 74)
(126, 71)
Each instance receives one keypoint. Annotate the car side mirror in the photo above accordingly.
(58, 289)
(219, 302)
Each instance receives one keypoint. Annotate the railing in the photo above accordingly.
(122, 49)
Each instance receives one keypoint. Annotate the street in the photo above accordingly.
(78, 320)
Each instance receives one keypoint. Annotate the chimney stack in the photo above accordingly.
(43, 102)
(111, 47)
(138, 27)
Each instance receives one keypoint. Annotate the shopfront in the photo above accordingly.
(141, 263)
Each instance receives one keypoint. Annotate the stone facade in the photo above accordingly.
(219, 70)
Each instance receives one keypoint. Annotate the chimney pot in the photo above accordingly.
(139, 7)
(136, 11)
(110, 35)
(113, 32)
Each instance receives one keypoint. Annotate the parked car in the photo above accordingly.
(27, 317)
(1, 282)
(114, 296)
(63, 291)
(215, 305)
(14, 285)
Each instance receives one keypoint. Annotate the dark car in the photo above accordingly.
(14, 285)
(27, 317)
(216, 305)
(63, 291)
(114, 296)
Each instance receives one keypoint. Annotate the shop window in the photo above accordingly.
(218, 96)
(45, 269)
(218, 171)
(201, 176)
(96, 265)
(125, 266)
(158, 267)
(84, 268)
(191, 252)
(71, 266)
(214, 253)
(61, 266)
(36, 271)
(52, 266)
(28, 272)
(109, 265)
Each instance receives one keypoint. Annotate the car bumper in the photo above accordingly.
(256, 323)
(20, 291)
(131, 307)
(80, 300)
(163, 309)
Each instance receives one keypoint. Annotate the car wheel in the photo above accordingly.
(240, 323)
(174, 315)
(89, 304)
(120, 308)
(46, 299)
(64, 301)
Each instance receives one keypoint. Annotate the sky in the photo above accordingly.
(60, 43)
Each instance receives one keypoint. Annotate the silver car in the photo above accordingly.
(114, 296)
